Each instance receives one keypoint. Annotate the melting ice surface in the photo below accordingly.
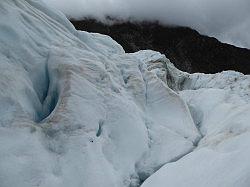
(76, 110)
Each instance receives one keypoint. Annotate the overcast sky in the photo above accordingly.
(227, 20)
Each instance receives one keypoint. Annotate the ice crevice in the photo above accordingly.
(143, 177)
(50, 93)
(155, 64)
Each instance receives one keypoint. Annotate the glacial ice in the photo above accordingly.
(76, 110)
(219, 105)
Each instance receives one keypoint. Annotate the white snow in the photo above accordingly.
(76, 110)
(220, 108)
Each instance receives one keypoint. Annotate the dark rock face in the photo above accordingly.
(185, 47)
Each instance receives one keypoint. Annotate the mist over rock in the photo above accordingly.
(227, 20)
(185, 47)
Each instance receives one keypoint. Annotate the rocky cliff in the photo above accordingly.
(185, 47)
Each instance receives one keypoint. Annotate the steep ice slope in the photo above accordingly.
(76, 110)
(220, 108)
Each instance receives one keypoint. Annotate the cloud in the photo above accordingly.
(227, 20)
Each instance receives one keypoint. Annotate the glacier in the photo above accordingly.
(76, 110)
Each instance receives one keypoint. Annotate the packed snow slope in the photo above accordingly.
(77, 111)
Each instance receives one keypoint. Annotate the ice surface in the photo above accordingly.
(219, 105)
(76, 110)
